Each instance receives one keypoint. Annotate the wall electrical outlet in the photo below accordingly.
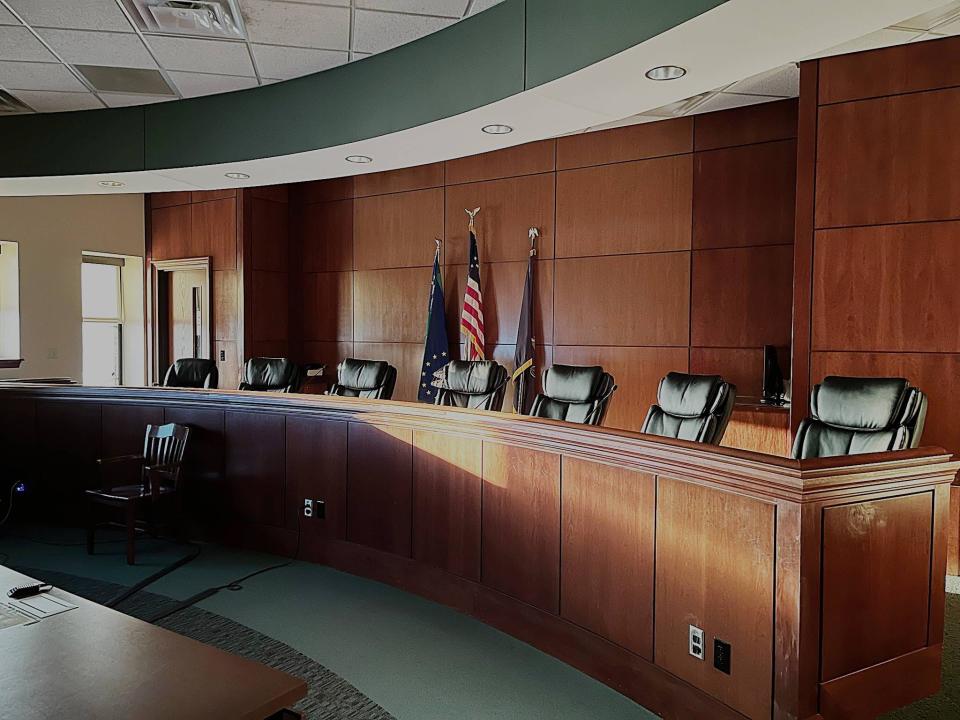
(308, 508)
(696, 642)
(721, 656)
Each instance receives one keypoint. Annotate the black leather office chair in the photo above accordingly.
(192, 373)
(850, 416)
(272, 374)
(364, 378)
(478, 384)
(575, 394)
(691, 407)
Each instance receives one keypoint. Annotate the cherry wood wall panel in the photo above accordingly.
(876, 581)
(380, 487)
(725, 544)
(633, 207)
(18, 436)
(206, 449)
(521, 524)
(394, 181)
(528, 159)
(123, 428)
(634, 142)
(607, 552)
(316, 468)
(255, 467)
(397, 230)
(447, 483)
(214, 226)
(391, 305)
(327, 236)
(407, 357)
(744, 126)
(328, 306)
(68, 441)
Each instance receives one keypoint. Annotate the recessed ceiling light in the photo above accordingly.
(497, 129)
(359, 158)
(666, 72)
(111, 183)
(237, 176)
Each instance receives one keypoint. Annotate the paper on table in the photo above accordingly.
(41, 606)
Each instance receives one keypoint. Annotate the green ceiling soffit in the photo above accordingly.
(500, 52)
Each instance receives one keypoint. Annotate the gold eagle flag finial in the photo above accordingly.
(471, 214)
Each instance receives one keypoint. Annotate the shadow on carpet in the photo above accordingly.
(329, 697)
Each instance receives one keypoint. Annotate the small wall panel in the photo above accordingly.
(741, 366)
(328, 306)
(166, 199)
(725, 544)
(326, 190)
(327, 236)
(745, 195)
(405, 357)
(270, 319)
(123, 428)
(198, 196)
(641, 206)
(637, 372)
(270, 234)
(508, 209)
(379, 487)
(764, 430)
(502, 285)
(938, 375)
(608, 552)
(758, 123)
(404, 179)
(857, 184)
(171, 233)
(633, 142)
(527, 159)
(447, 479)
(876, 558)
(214, 233)
(887, 288)
(391, 305)
(393, 231)
(633, 299)
(905, 68)
(316, 468)
(69, 437)
(206, 448)
(255, 467)
(521, 524)
(226, 304)
(18, 435)
(742, 297)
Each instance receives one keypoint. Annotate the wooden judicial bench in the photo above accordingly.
(600, 547)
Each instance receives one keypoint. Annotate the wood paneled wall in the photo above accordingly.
(877, 222)
(660, 244)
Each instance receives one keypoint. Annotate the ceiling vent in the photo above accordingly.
(9, 105)
(199, 18)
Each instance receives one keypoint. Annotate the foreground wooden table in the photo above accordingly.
(825, 578)
(93, 662)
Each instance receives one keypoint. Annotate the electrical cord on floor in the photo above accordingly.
(133, 589)
(6, 515)
(233, 585)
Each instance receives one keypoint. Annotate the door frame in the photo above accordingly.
(153, 278)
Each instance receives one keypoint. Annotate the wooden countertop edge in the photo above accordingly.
(767, 477)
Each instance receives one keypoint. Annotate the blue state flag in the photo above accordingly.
(436, 349)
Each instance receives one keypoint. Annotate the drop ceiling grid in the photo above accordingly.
(105, 33)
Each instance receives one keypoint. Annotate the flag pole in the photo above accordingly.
(533, 233)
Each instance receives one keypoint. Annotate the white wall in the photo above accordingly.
(52, 233)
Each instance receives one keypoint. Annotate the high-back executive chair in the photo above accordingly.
(364, 378)
(691, 407)
(272, 374)
(850, 415)
(477, 384)
(192, 373)
(575, 394)
(158, 470)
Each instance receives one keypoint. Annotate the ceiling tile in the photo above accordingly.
(444, 8)
(195, 84)
(99, 48)
(39, 76)
(282, 23)
(481, 5)
(43, 101)
(18, 43)
(83, 14)
(123, 100)
(286, 62)
(379, 31)
(208, 56)
(7, 17)
(933, 18)
(783, 81)
(725, 101)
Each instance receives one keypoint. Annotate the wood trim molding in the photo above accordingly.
(203, 264)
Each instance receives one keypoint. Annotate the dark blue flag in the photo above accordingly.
(436, 349)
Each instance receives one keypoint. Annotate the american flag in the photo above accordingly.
(471, 318)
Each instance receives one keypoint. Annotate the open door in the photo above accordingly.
(181, 312)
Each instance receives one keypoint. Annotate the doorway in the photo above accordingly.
(181, 311)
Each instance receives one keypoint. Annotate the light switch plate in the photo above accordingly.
(696, 642)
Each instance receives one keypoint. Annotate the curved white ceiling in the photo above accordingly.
(736, 40)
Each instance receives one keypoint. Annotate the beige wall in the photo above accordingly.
(52, 233)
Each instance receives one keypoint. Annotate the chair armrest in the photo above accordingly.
(165, 470)
(120, 459)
